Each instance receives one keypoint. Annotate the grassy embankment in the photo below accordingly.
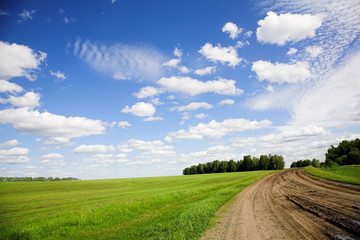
(179, 207)
(345, 174)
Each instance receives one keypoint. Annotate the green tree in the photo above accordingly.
(200, 168)
(193, 169)
(232, 166)
(315, 163)
(248, 163)
(223, 166)
(263, 162)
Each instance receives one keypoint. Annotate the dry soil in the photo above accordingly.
(291, 205)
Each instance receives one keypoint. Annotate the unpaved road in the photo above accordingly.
(291, 205)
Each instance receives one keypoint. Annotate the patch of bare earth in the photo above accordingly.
(291, 205)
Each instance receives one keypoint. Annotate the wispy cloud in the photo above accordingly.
(121, 61)
(26, 15)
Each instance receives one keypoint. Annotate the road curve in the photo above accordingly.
(291, 205)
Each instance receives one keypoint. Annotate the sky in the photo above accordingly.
(115, 89)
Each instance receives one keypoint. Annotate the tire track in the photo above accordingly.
(291, 205)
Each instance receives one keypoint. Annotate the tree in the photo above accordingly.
(209, 167)
(193, 169)
(263, 162)
(216, 166)
(248, 163)
(255, 163)
(315, 163)
(223, 166)
(232, 166)
(200, 168)
(186, 171)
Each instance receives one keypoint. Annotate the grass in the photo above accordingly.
(345, 174)
(179, 207)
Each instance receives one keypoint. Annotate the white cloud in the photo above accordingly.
(194, 87)
(122, 61)
(19, 60)
(28, 100)
(248, 33)
(281, 72)
(279, 29)
(222, 54)
(52, 162)
(201, 115)
(140, 109)
(172, 62)
(58, 141)
(152, 118)
(205, 71)
(270, 88)
(334, 101)
(93, 149)
(26, 15)
(314, 51)
(292, 51)
(232, 30)
(147, 92)
(124, 124)
(216, 129)
(177, 52)
(52, 156)
(156, 101)
(184, 69)
(193, 106)
(51, 125)
(226, 101)
(10, 143)
(14, 155)
(150, 149)
(59, 75)
(6, 86)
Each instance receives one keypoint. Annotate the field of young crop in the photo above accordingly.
(179, 207)
(346, 174)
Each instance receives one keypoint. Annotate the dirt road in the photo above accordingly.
(291, 205)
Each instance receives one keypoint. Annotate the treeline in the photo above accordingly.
(35, 179)
(304, 163)
(270, 162)
(346, 153)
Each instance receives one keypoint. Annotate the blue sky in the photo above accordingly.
(113, 89)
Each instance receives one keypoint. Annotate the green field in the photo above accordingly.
(346, 174)
(179, 207)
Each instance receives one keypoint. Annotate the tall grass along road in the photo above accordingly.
(345, 174)
(178, 207)
(292, 205)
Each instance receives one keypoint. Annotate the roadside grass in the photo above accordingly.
(178, 207)
(345, 174)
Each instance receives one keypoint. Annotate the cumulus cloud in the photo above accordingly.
(152, 118)
(19, 60)
(140, 109)
(279, 29)
(6, 86)
(205, 71)
(281, 72)
(292, 51)
(226, 101)
(121, 61)
(194, 87)
(232, 30)
(14, 155)
(150, 149)
(148, 92)
(124, 124)
(221, 54)
(216, 129)
(58, 141)
(93, 149)
(10, 143)
(314, 51)
(52, 156)
(47, 124)
(201, 115)
(193, 106)
(172, 62)
(28, 100)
